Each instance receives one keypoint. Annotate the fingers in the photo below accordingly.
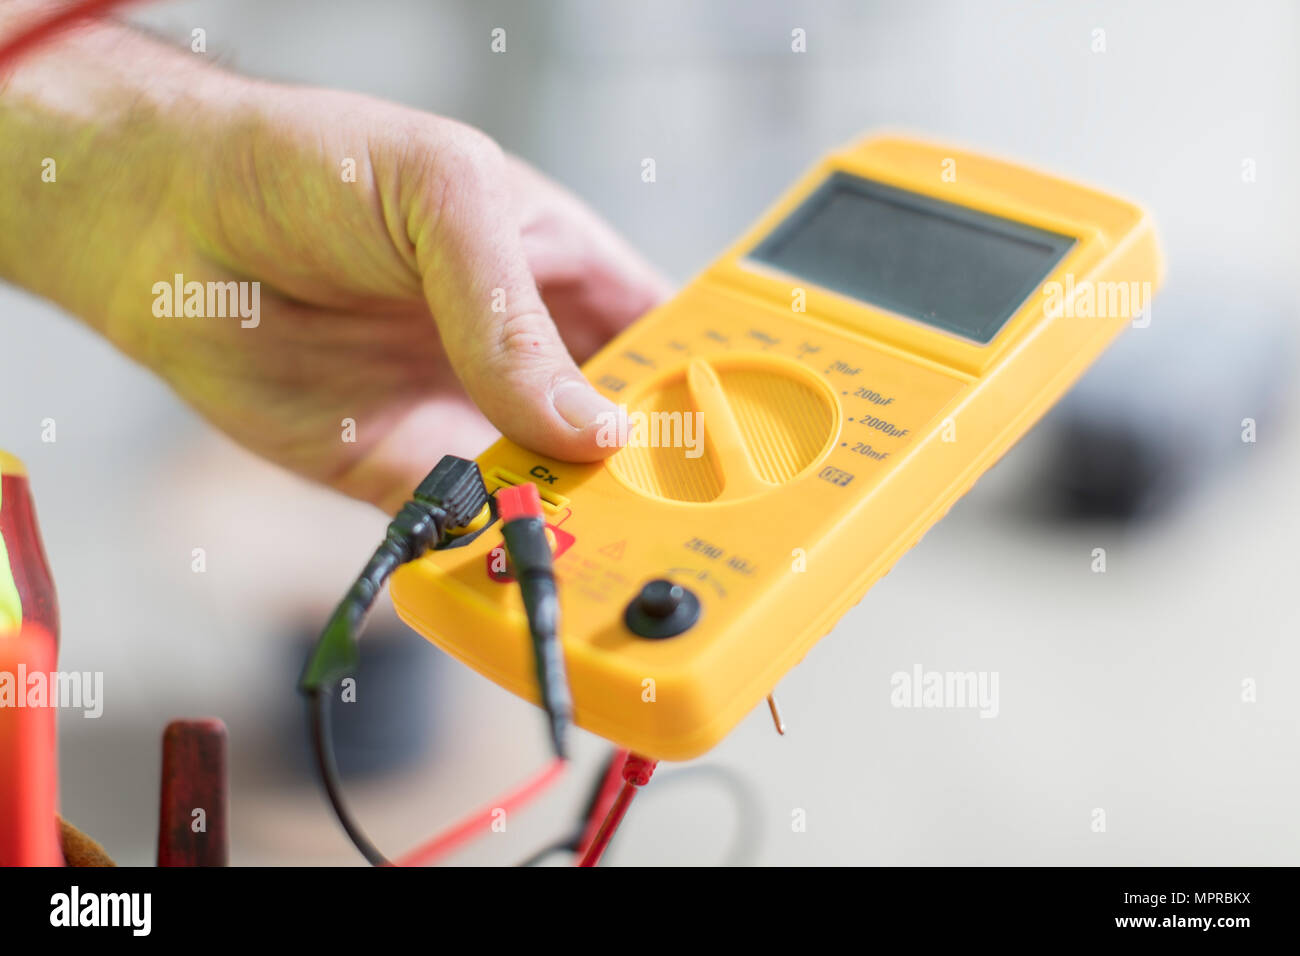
(594, 283)
(494, 325)
(411, 445)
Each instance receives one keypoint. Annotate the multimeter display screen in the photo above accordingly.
(946, 265)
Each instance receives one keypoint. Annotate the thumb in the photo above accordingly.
(495, 328)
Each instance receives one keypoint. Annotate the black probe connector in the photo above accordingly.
(529, 549)
(451, 496)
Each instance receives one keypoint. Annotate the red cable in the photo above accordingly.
(49, 26)
(447, 841)
(600, 807)
(609, 826)
(636, 773)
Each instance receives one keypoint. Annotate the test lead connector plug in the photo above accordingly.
(528, 548)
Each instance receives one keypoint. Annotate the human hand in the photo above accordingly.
(426, 296)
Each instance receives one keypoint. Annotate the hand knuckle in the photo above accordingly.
(523, 340)
(469, 157)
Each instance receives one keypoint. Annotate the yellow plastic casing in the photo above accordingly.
(835, 437)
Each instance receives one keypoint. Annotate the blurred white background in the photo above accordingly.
(1119, 691)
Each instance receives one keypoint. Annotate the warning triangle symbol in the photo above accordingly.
(614, 550)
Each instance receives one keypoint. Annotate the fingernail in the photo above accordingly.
(581, 405)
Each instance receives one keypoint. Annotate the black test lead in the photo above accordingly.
(529, 552)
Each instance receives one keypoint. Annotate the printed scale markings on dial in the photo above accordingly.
(878, 429)
(866, 402)
(710, 340)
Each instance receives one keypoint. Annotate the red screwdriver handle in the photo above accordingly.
(193, 828)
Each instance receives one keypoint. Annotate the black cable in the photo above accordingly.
(747, 835)
(451, 496)
(564, 846)
(318, 715)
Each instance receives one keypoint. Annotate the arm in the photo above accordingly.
(408, 270)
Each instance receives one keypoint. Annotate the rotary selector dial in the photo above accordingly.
(725, 428)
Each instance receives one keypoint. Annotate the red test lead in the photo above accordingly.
(636, 773)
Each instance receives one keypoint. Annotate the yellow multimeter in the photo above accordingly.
(878, 340)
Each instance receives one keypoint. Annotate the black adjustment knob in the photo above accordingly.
(660, 598)
(662, 609)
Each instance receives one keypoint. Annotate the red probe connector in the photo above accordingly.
(518, 501)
